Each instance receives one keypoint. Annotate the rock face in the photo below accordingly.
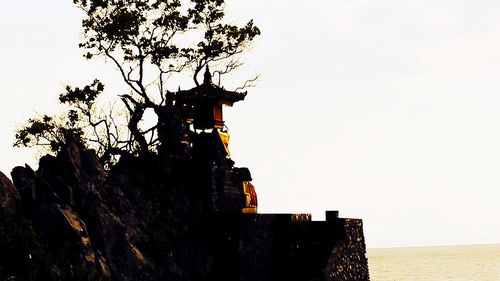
(81, 215)
(144, 220)
(8, 195)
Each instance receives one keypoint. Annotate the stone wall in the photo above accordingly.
(270, 247)
(280, 248)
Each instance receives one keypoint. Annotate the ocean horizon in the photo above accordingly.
(435, 263)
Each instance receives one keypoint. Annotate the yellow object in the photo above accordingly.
(249, 210)
(224, 137)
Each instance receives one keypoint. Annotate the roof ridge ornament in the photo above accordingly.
(207, 78)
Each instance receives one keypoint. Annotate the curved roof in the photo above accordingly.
(208, 90)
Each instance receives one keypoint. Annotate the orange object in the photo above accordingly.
(250, 198)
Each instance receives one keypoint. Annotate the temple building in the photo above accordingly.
(246, 245)
(226, 189)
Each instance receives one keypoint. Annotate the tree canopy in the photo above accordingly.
(148, 41)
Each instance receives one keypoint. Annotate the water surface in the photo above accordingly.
(443, 263)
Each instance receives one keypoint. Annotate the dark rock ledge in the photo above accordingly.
(143, 220)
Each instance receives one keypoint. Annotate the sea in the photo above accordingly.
(441, 263)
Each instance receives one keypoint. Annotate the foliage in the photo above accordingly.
(47, 131)
(149, 42)
(134, 32)
(79, 122)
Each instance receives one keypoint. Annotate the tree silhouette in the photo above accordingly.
(148, 41)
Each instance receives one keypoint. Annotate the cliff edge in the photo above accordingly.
(144, 220)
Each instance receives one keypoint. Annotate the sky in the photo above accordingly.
(385, 110)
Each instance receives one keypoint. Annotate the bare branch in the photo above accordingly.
(248, 83)
(230, 66)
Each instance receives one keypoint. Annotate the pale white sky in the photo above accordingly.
(383, 110)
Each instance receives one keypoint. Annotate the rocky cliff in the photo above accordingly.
(73, 219)
(141, 220)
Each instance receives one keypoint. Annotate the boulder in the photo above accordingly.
(8, 195)
(24, 180)
(63, 229)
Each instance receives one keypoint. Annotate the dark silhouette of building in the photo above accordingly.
(258, 247)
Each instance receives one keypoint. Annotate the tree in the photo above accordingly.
(148, 41)
(82, 124)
